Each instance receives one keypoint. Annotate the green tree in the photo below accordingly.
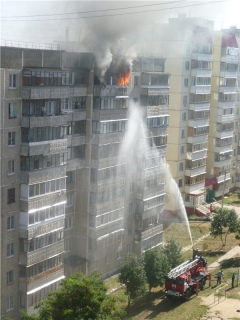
(156, 267)
(78, 298)
(173, 251)
(132, 275)
(224, 222)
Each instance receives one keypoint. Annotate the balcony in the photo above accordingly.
(222, 163)
(44, 92)
(194, 187)
(145, 194)
(157, 131)
(106, 229)
(44, 147)
(47, 121)
(46, 227)
(108, 162)
(44, 278)
(152, 231)
(219, 193)
(151, 90)
(198, 89)
(111, 91)
(228, 74)
(157, 110)
(224, 134)
(43, 201)
(199, 106)
(101, 186)
(223, 149)
(225, 118)
(201, 154)
(75, 164)
(106, 138)
(112, 114)
(226, 104)
(223, 178)
(39, 176)
(101, 208)
(198, 123)
(197, 139)
(44, 253)
(228, 90)
(153, 172)
(151, 212)
(76, 140)
(229, 59)
(202, 56)
(195, 171)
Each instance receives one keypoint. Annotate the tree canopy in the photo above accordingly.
(132, 274)
(173, 251)
(224, 222)
(78, 298)
(156, 267)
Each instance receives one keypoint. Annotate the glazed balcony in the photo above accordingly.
(224, 134)
(222, 163)
(47, 121)
(226, 104)
(228, 74)
(225, 118)
(202, 56)
(44, 147)
(201, 154)
(108, 162)
(199, 106)
(201, 73)
(223, 149)
(157, 110)
(104, 185)
(200, 89)
(223, 177)
(195, 171)
(106, 229)
(101, 208)
(219, 193)
(198, 123)
(45, 277)
(110, 114)
(194, 187)
(38, 176)
(151, 212)
(44, 253)
(152, 192)
(105, 138)
(229, 58)
(47, 92)
(197, 139)
(152, 231)
(42, 201)
(228, 89)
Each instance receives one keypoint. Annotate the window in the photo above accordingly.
(10, 250)
(11, 138)
(183, 133)
(12, 110)
(12, 81)
(11, 167)
(69, 222)
(186, 65)
(181, 166)
(180, 183)
(10, 277)
(184, 116)
(182, 151)
(185, 100)
(69, 199)
(11, 195)
(136, 81)
(185, 82)
(68, 244)
(10, 303)
(10, 223)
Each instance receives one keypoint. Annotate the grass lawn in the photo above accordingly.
(231, 199)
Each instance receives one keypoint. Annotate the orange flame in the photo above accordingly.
(123, 79)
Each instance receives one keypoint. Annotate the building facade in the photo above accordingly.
(70, 201)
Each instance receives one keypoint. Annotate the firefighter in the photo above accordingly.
(219, 277)
(211, 208)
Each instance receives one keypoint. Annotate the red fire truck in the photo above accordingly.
(187, 278)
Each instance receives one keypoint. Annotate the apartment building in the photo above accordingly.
(69, 202)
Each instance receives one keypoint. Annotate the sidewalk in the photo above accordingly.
(230, 254)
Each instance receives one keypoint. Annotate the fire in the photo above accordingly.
(123, 79)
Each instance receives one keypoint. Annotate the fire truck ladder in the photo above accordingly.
(182, 268)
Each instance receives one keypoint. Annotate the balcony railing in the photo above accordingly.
(145, 194)
(106, 229)
(46, 121)
(75, 164)
(202, 56)
(225, 118)
(228, 89)
(152, 231)
(157, 110)
(196, 155)
(219, 193)
(226, 104)
(111, 114)
(224, 177)
(198, 139)
(39, 176)
(222, 163)
(201, 73)
(44, 253)
(222, 149)
(44, 147)
(199, 106)
(198, 123)
(108, 162)
(195, 171)
(108, 138)
(198, 89)
(194, 187)
(101, 186)
(107, 206)
(76, 140)
(224, 134)
(31, 93)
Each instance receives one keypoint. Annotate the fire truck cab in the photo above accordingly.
(187, 278)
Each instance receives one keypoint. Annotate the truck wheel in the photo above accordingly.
(202, 284)
(187, 295)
